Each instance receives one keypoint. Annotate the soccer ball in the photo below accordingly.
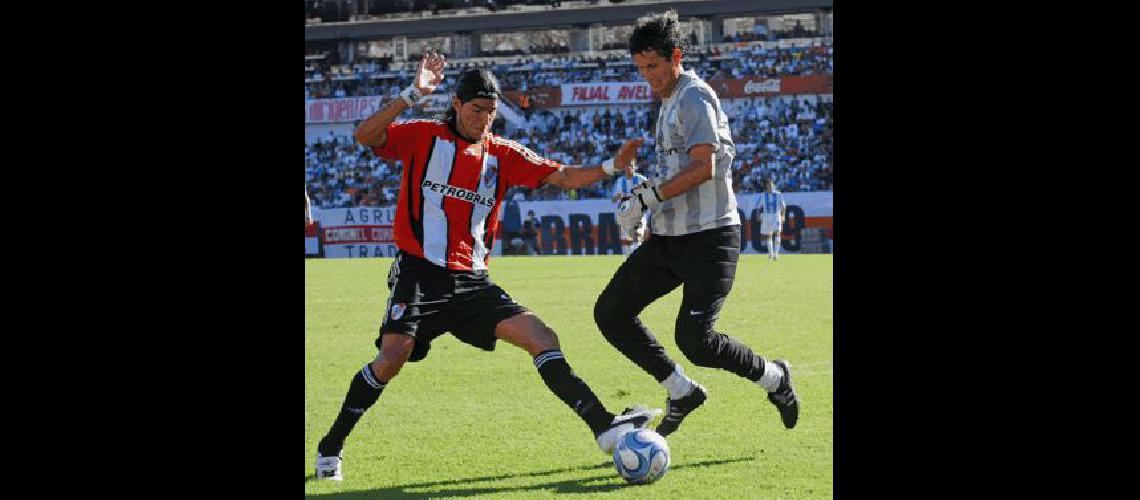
(641, 456)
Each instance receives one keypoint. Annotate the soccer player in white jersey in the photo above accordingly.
(771, 205)
(696, 238)
(622, 187)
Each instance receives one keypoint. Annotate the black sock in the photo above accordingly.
(363, 392)
(573, 391)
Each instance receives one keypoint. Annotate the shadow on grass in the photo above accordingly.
(577, 485)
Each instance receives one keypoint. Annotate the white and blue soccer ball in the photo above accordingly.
(641, 456)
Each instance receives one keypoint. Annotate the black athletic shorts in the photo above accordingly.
(426, 301)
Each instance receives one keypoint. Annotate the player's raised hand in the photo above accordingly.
(430, 73)
(627, 154)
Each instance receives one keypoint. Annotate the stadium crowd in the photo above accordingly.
(373, 76)
(785, 139)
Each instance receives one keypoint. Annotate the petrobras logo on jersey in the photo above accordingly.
(458, 193)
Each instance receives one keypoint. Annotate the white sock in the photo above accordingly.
(678, 384)
(776, 243)
(626, 248)
(772, 376)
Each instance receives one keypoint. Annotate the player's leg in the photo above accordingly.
(365, 388)
(708, 268)
(527, 331)
(626, 249)
(641, 279)
(406, 332)
(775, 244)
(769, 229)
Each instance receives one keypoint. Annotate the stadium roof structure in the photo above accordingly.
(506, 20)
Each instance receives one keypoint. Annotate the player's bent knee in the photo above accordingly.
(396, 350)
(698, 353)
(607, 313)
(419, 350)
(695, 344)
(544, 339)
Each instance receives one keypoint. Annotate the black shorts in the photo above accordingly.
(426, 301)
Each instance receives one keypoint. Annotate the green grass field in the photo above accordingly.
(469, 423)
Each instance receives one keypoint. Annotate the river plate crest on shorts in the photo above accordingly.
(398, 311)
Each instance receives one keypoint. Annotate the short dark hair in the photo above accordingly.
(659, 32)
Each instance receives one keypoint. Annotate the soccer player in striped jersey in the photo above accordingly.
(622, 186)
(772, 208)
(696, 238)
(456, 173)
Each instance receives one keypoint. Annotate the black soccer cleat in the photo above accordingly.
(677, 409)
(785, 397)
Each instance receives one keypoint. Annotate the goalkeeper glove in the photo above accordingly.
(644, 197)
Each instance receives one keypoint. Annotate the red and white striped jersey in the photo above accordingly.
(448, 208)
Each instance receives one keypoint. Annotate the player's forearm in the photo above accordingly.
(689, 177)
(574, 176)
(373, 131)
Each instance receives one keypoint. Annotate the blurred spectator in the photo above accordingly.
(530, 234)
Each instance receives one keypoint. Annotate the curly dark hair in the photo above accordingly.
(659, 32)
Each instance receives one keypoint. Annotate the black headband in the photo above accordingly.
(475, 84)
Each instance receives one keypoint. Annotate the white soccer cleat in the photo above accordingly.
(637, 417)
(329, 468)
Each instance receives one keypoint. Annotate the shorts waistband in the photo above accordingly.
(420, 263)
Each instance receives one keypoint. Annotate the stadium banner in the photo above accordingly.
(312, 240)
(342, 110)
(789, 85)
(352, 109)
(589, 227)
(540, 97)
(357, 232)
(577, 94)
(566, 227)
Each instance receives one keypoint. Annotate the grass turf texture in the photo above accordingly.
(464, 422)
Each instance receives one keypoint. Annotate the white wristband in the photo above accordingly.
(411, 96)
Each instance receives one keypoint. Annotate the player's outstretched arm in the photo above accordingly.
(373, 131)
(571, 177)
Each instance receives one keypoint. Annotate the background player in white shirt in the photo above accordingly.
(622, 187)
(771, 204)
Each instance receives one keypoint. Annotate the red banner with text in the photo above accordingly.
(579, 94)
